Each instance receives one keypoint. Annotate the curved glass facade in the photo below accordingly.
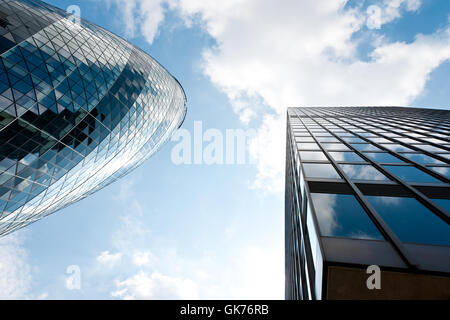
(79, 108)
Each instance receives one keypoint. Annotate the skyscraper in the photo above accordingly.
(79, 108)
(367, 186)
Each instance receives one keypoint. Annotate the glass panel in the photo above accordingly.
(363, 172)
(429, 148)
(312, 155)
(346, 156)
(445, 171)
(308, 146)
(396, 147)
(365, 147)
(354, 140)
(320, 170)
(341, 215)
(421, 158)
(411, 174)
(411, 221)
(443, 203)
(383, 157)
(327, 139)
(335, 146)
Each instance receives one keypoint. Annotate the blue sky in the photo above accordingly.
(216, 231)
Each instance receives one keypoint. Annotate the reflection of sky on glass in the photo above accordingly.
(365, 147)
(341, 215)
(411, 174)
(346, 156)
(363, 172)
(430, 148)
(312, 155)
(335, 146)
(443, 203)
(383, 157)
(320, 170)
(411, 221)
(421, 158)
(396, 147)
(445, 171)
(308, 146)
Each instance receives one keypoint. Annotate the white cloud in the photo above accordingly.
(274, 54)
(301, 53)
(109, 258)
(15, 275)
(155, 286)
(142, 258)
(377, 15)
(141, 17)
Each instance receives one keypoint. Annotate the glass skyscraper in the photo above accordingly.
(367, 186)
(79, 108)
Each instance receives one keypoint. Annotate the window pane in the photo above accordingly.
(308, 146)
(365, 147)
(335, 146)
(327, 139)
(411, 174)
(312, 155)
(383, 157)
(429, 148)
(396, 147)
(445, 171)
(346, 156)
(363, 172)
(354, 140)
(443, 203)
(421, 158)
(341, 215)
(411, 221)
(320, 170)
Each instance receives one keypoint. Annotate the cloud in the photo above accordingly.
(271, 55)
(141, 17)
(15, 275)
(388, 11)
(109, 258)
(142, 258)
(302, 53)
(155, 286)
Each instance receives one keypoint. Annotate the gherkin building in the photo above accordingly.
(79, 108)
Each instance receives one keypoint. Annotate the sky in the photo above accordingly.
(215, 231)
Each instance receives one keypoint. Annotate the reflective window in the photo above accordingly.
(320, 170)
(312, 155)
(383, 157)
(352, 140)
(335, 146)
(397, 147)
(308, 146)
(411, 174)
(445, 171)
(443, 203)
(429, 148)
(328, 139)
(421, 158)
(365, 147)
(363, 172)
(346, 156)
(341, 215)
(411, 221)
(304, 139)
